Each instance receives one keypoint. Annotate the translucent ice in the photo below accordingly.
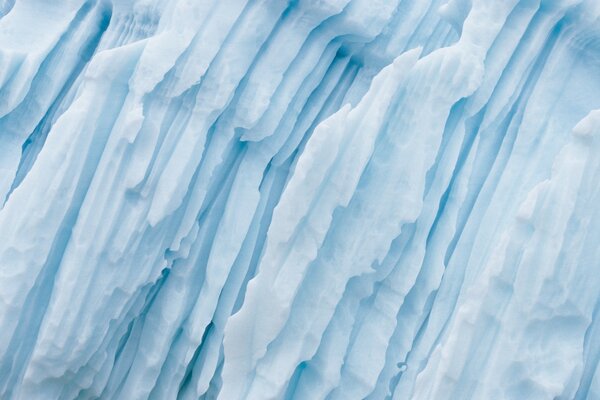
(308, 199)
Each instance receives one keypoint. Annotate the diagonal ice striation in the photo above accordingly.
(310, 199)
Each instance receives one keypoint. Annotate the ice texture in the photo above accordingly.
(308, 199)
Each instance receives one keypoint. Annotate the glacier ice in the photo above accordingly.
(308, 199)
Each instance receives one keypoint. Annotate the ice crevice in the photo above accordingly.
(271, 199)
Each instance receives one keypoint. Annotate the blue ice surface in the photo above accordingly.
(270, 199)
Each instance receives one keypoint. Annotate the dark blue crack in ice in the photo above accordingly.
(309, 199)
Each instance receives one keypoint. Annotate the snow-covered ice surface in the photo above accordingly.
(308, 199)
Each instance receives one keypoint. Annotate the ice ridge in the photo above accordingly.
(299, 199)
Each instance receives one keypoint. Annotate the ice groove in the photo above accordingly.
(298, 199)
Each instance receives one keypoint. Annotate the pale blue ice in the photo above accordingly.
(299, 199)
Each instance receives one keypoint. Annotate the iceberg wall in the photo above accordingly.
(308, 199)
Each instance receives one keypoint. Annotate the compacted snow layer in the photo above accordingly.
(308, 199)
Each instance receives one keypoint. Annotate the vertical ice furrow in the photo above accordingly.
(493, 151)
(358, 347)
(90, 381)
(498, 58)
(53, 69)
(174, 304)
(206, 364)
(71, 123)
(380, 89)
(189, 338)
(261, 128)
(155, 140)
(73, 186)
(337, 98)
(221, 258)
(391, 291)
(504, 132)
(289, 112)
(63, 82)
(299, 80)
(318, 106)
(422, 33)
(340, 29)
(129, 25)
(484, 236)
(21, 42)
(315, 178)
(414, 313)
(281, 50)
(145, 84)
(125, 343)
(65, 152)
(211, 37)
(273, 360)
(183, 341)
(184, 161)
(527, 121)
(280, 214)
(322, 373)
(218, 159)
(559, 194)
(177, 29)
(233, 66)
(283, 155)
(325, 365)
(543, 31)
(323, 304)
(402, 28)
